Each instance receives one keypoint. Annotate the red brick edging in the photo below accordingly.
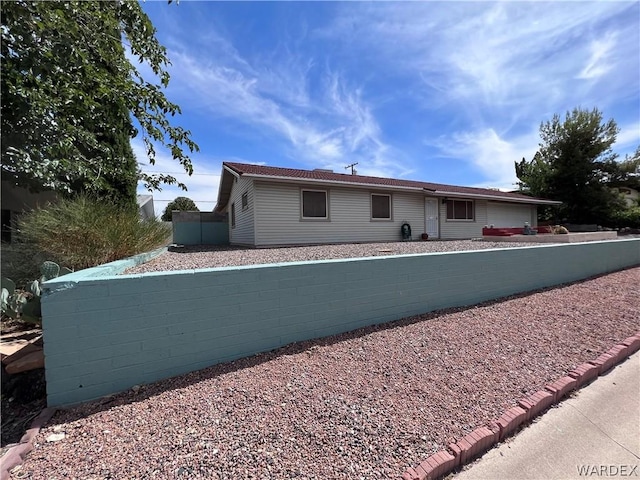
(15, 455)
(483, 438)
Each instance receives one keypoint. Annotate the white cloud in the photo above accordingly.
(523, 56)
(227, 92)
(492, 154)
(480, 76)
(599, 63)
(496, 70)
(627, 140)
(629, 135)
(333, 126)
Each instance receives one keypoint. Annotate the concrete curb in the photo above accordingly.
(16, 454)
(484, 438)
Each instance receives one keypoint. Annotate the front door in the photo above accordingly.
(431, 217)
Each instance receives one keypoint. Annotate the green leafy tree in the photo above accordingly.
(536, 174)
(573, 165)
(70, 98)
(183, 204)
(625, 173)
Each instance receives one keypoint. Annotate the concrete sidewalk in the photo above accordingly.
(593, 434)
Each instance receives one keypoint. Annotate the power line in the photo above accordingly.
(182, 173)
(201, 201)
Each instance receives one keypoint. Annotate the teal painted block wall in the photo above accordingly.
(106, 333)
(199, 228)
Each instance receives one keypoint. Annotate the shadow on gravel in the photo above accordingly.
(182, 381)
(176, 248)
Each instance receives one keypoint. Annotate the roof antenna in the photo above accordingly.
(353, 170)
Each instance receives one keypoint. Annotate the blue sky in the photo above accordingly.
(447, 92)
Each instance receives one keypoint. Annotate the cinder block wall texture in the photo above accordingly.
(105, 334)
(200, 228)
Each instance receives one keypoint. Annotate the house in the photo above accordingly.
(630, 195)
(15, 200)
(271, 206)
(145, 207)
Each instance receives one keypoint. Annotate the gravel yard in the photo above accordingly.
(366, 404)
(215, 256)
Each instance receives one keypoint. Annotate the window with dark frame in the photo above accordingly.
(233, 215)
(245, 200)
(380, 206)
(460, 210)
(314, 204)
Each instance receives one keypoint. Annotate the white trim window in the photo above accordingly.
(315, 204)
(460, 210)
(380, 206)
(245, 200)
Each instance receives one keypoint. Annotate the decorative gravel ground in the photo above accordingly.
(367, 404)
(187, 258)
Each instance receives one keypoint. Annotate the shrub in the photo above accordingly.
(557, 229)
(83, 233)
(629, 217)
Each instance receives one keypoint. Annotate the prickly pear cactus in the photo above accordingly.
(49, 270)
(34, 288)
(32, 311)
(12, 303)
(5, 299)
(8, 284)
(25, 304)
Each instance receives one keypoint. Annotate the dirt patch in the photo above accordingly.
(23, 394)
(23, 398)
(10, 325)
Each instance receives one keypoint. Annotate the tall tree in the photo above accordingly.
(70, 94)
(572, 165)
(625, 173)
(183, 204)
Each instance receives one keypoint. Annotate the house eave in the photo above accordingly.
(376, 186)
(224, 189)
(229, 175)
(426, 191)
(498, 198)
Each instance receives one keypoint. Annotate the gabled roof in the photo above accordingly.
(232, 169)
(143, 199)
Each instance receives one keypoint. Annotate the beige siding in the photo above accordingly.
(534, 215)
(243, 232)
(501, 214)
(278, 219)
(457, 229)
